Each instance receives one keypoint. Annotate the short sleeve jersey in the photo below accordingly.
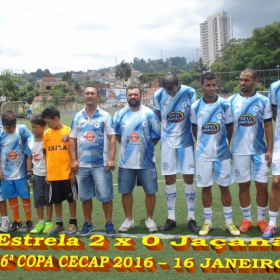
(211, 121)
(137, 130)
(274, 96)
(35, 150)
(57, 145)
(91, 134)
(12, 146)
(249, 113)
(175, 121)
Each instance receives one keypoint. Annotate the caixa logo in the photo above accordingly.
(210, 128)
(175, 116)
(246, 120)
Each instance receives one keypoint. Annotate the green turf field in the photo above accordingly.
(139, 234)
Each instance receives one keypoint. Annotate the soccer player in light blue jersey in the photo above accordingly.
(173, 103)
(137, 131)
(212, 127)
(252, 122)
(274, 198)
(93, 150)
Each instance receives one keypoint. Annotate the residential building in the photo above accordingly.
(216, 31)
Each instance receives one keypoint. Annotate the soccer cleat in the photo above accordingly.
(193, 226)
(262, 225)
(110, 231)
(232, 229)
(38, 228)
(5, 225)
(126, 225)
(205, 229)
(72, 229)
(56, 229)
(270, 231)
(29, 226)
(15, 226)
(245, 225)
(150, 225)
(168, 225)
(86, 229)
(48, 227)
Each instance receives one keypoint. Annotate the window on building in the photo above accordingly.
(48, 87)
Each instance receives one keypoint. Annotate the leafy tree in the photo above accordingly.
(200, 66)
(123, 71)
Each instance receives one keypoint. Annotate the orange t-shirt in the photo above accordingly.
(57, 146)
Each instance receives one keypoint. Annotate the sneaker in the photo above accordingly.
(110, 231)
(72, 229)
(48, 227)
(193, 226)
(150, 225)
(262, 225)
(168, 225)
(29, 226)
(270, 231)
(86, 229)
(205, 229)
(126, 225)
(5, 225)
(38, 228)
(56, 229)
(245, 225)
(232, 229)
(15, 226)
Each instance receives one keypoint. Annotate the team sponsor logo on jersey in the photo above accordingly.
(219, 116)
(198, 178)
(57, 148)
(89, 136)
(37, 157)
(210, 128)
(12, 155)
(175, 116)
(184, 104)
(246, 120)
(165, 165)
(65, 138)
(134, 136)
(273, 166)
(191, 166)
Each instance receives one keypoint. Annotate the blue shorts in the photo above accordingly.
(14, 188)
(95, 181)
(127, 178)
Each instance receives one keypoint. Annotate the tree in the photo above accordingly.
(123, 71)
(200, 66)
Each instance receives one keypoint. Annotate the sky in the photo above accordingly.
(79, 35)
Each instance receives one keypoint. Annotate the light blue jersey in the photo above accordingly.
(249, 113)
(211, 120)
(175, 122)
(137, 129)
(12, 146)
(274, 96)
(91, 134)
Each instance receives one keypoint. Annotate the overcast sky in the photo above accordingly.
(88, 34)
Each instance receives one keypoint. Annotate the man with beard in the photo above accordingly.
(252, 120)
(137, 131)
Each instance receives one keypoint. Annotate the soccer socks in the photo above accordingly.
(261, 212)
(246, 213)
(228, 214)
(26, 203)
(13, 202)
(190, 194)
(207, 215)
(272, 218)
(171, 195)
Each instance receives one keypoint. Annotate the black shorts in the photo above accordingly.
(41, 191)
(63, 190)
